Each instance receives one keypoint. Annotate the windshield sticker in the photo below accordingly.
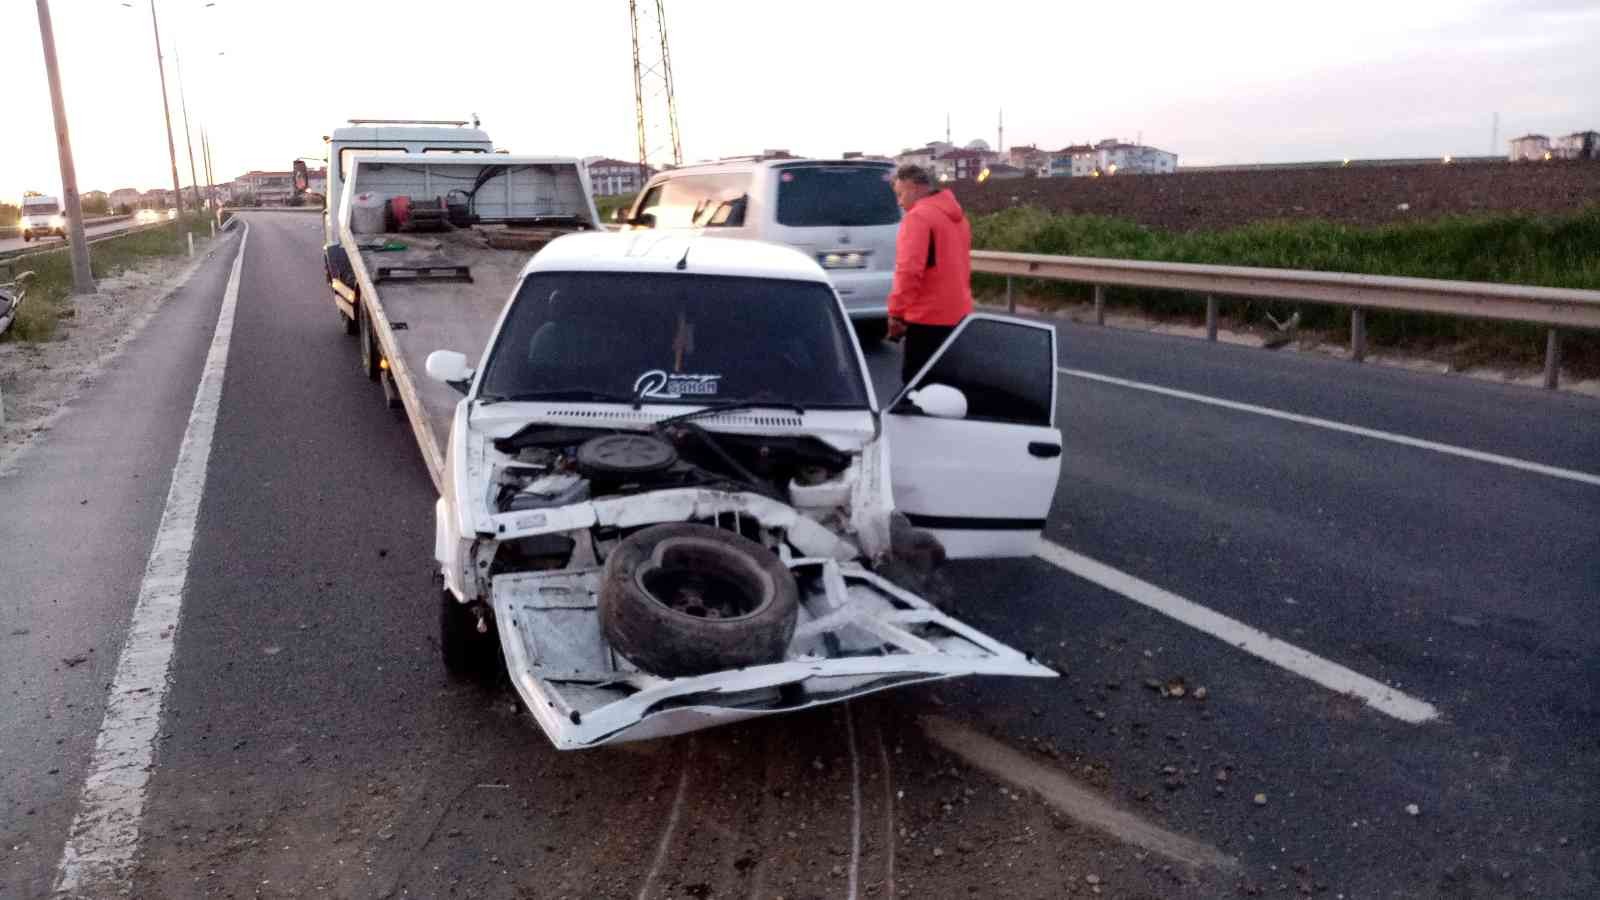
(657, 384)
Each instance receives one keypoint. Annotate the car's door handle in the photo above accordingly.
(1044, 449)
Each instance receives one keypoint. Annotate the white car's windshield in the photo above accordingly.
(41, 209)
(687, 339)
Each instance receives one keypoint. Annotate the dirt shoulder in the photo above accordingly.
(39, 380)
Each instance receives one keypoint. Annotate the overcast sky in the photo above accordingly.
(1215, 82)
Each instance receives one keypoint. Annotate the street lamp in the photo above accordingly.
(188, 138)
(166, 111)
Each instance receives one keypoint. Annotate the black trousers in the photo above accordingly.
(922, 341)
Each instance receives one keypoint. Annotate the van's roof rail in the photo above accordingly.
(407, 122)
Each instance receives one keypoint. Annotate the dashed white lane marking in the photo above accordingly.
(672, 825)
(1331, 675)
(105, 832)
(1404, 440)
(855, 804)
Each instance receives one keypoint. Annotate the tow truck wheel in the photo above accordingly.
(464, 649)
(369, 354)
(687, 599)
(348, 323)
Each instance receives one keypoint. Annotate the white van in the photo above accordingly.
(42, 217)
(841, 212)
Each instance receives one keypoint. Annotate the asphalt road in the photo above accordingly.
(17, 243)
(312, 745)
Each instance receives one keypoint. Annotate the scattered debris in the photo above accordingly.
(1413, 810)
(1200, 692)
(1091, 879)
(72, 661)
(1261, 799)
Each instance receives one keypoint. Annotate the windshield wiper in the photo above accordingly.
(730, 406)
(573, 394)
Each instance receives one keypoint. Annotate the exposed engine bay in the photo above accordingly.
(557, 466)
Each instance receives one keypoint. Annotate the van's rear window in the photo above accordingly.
(810, 196)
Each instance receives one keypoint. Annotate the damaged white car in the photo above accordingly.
(671, 496)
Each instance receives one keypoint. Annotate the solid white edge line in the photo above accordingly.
(1251, 640)
(105, 832)
(1406, 440)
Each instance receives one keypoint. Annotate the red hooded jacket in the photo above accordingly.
(933, 263)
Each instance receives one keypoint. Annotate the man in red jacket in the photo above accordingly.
(932, 268)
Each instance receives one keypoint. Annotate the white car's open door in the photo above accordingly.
(982, 478)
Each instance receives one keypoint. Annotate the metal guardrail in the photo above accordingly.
(1556, 308)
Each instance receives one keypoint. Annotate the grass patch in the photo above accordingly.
(1510, 249)
(52, 286)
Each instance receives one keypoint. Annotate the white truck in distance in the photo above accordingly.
(42, 217)
(669, 495)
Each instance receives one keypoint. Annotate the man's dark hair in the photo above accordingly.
(913, 174)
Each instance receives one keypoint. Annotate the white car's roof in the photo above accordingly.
(652, 251)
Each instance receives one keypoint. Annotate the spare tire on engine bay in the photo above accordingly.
(687, 599)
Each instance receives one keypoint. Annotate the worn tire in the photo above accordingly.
(351, 327)
(462, 648)
(706, 572)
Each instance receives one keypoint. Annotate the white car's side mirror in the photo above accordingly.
(451, 368)
(940, 401)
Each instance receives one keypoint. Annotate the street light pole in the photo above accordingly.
(194, 180)
(166, 111)
(211, 182)
(82, 277)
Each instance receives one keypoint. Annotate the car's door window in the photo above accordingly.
(1006, 369)
(722, 200)
(696, 201)
(644, 214)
